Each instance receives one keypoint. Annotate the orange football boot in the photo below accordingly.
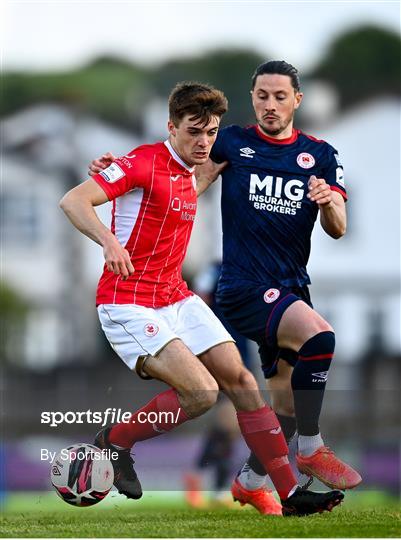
(326, 467)
(262, 499)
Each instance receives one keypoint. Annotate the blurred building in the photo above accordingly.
(45, 152)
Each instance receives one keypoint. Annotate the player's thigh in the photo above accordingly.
(225, 364)
(178, 367)
(255, 312)
(279, 388)
(299, 323)
(145, 340)
(198, 327)
(134, 332)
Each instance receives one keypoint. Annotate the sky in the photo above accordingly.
(58, 35)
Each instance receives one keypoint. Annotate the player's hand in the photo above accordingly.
(117, 258)
(319, 191)
(206, 174)
(209, 170)
(97, 165)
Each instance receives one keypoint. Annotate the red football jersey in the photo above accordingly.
(154, 206)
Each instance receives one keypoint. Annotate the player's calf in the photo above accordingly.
(308, 383)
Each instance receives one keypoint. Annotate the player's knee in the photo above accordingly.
(204, 400)
(323, 342)
(198, 401)
(243, 391)
(246, 381)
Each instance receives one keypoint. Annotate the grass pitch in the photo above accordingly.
(165, 515)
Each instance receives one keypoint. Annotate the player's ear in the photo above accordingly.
(298, 99)
(171, 128)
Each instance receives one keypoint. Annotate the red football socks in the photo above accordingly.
(161, 414)
(263, 435)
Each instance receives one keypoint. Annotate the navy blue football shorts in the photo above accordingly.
(255, 312)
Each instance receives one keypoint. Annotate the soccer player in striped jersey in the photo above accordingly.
(152, 320)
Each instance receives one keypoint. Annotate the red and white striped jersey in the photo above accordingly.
(154, 206)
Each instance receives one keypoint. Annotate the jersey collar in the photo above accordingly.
(177, 157)
(289, 140)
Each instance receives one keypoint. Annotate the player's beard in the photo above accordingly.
(276, 131)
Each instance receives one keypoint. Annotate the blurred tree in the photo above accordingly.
(105, 88)
(362, 64)
(13, 311)
(228, 69)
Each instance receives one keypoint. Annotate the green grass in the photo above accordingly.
(166, 515)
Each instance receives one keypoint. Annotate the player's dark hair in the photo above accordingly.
(278, 67)
(199, 100)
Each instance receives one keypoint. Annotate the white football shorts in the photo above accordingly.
(138, 331)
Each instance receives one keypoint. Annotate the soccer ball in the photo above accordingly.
(82, 475)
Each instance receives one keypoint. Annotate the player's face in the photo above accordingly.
(192, 141)
(274, 101)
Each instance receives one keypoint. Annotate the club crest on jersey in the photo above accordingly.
(150, 329)
(271, 295)
(246, 152)
(176, 204)
(112, 173)
(305, 160)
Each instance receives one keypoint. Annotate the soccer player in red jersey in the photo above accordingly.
(152, 320)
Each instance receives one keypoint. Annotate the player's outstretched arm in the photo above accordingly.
(206, 174)
(78, 205)
(333, 217)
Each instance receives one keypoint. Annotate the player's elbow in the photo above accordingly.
(67, 202)
(335, 230)
(64, 202)
(339, 232)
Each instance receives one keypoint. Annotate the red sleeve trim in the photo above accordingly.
(104, 185)
(341, 191)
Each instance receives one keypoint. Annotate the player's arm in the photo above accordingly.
(207, 173)
(78, 205)
(333, 216)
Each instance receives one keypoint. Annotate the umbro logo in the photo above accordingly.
(321, 376)
(246, 152)
(276, 431)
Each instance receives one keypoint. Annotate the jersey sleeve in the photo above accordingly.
(218, 153)
(123, 175)
(334, 172)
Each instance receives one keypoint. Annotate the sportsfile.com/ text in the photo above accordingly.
(110, 415)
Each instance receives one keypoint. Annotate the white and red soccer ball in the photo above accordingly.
(82, 475)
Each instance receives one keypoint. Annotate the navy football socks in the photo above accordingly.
(309, 381)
